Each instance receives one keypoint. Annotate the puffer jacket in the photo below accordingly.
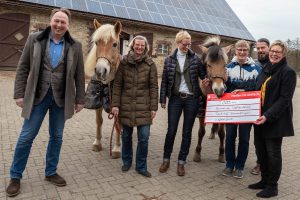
(242, 77)
(135, 90)
(196, 68)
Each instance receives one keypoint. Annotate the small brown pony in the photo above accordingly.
(215, 58)
(102, 63)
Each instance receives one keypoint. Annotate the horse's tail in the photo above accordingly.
(90, 63)
(212, 41)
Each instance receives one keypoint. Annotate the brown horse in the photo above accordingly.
(215, 58)
(101, 64)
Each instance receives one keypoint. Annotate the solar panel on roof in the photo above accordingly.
(181, 13)
(168, 2)
(211, 16)
(168, 20)
(108, 9)
(159, 1)
(64, 3)
(94, 6)
(79, 5)
(187, 23)
(141, 4)
(178, 22)
(151, 6)
(121, 11)
(118, 2)
(47, 2)
(146, 16)
(106, 1)
(130, 3)
(134, 14)
(156, 18)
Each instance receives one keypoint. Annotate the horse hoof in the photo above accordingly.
(197, 157)
(97, 147)
(115, 155)
(221, 159)
(212, 136)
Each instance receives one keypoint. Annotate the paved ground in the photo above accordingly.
(93, 175)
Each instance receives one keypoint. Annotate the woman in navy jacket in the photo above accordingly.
(277, 83)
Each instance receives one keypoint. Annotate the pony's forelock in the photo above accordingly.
(105, 32)
(212, 41)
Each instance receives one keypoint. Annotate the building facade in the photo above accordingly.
(20, 18)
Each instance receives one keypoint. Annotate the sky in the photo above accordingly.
(272, 19)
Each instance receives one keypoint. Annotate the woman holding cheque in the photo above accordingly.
(277, 83)
(242, 76)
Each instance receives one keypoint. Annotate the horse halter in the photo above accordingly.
(212, 77)
(98, 57)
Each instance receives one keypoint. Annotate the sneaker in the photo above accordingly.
(56, 180)
(13, 188)
(227, 172)
(238, 173)
(256, 170)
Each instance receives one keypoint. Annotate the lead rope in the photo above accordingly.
(116, 124)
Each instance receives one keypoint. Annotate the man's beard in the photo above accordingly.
(262, 58)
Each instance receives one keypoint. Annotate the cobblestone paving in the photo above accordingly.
(93, 175)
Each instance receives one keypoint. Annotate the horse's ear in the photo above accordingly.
(227, 48)
(96, 24)
(203, 49)
(118, 27)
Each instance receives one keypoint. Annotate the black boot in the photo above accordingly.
(268, 192)
(258, 185)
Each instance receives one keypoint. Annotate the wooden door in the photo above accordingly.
(13, 35)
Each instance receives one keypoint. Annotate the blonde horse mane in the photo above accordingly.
(212, 40)
(216, 52)
(104, 32)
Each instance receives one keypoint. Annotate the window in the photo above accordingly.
(163, 49)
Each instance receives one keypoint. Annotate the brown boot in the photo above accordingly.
(13, 188)
(180, 170)
(164, 167)
(56, 180)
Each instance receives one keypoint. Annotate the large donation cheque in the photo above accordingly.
(241, 107)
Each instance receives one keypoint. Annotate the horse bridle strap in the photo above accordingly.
(110, 63)
(220, 76)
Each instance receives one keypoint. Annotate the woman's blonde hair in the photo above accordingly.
(181, 35)
(139, 37)
(282, 44)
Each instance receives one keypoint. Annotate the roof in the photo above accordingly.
(208, 16)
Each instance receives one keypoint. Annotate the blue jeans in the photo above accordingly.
(233, 161)
(143, 133)
(176, 105)
(30, 130)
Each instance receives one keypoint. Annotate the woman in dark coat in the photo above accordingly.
(277, 83)
(135, 101)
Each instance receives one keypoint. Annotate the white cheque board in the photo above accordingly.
(242, 107)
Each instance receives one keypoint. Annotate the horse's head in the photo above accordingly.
(104, 58)
(215, 58)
